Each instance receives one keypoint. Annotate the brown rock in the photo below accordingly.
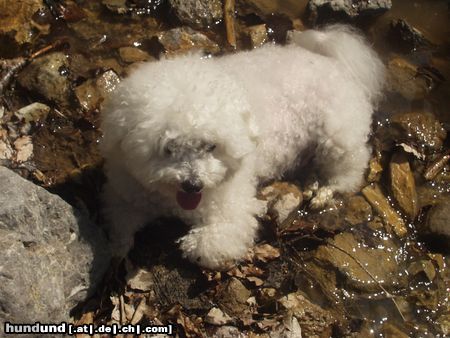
(345, 253)
(314, 321)
(380, 203)
(421, 130)
(438, 220)
(403, 185)
(92, 93)
(17, 17)
(133, 54)
(357, 210)
(403, 78)
(184, 39)
(375, 170)
(232, 298)
(391, 331)
(257, 35)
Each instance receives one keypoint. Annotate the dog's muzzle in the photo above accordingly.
(190, 195)
(192, 186)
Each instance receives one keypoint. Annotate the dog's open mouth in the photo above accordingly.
(188, 200)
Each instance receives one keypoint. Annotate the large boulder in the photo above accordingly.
(52, 256)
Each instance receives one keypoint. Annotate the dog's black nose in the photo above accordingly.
(192, 186)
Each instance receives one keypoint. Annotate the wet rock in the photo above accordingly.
(133, 54)
(116, 6)
(403, 78)
(424, 266)
(215, 316)
(257, 35)
(341, 253)
(92, 93)
(52, 255)
(198, 13)
(406, 37)
(33, 112)
(232, 297)
(267, 296)
(266, 9)
(375, 170)
(321, 11)
(184, 39)
(357, 210)
(380, 203)
(420, 130)
(391, 331)
(314, 321)
(403, 185)
(48, 76)
(438, 220)
(282, 200)
(17, 18)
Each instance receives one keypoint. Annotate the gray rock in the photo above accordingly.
(52, 256)
(33, 112)
(198, 13)
(323, 10)
(48, 76)
(406, 37)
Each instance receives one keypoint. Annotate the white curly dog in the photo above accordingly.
(193, 136)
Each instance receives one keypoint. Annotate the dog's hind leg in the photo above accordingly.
(341, 169)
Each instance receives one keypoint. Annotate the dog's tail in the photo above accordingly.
(350, 48)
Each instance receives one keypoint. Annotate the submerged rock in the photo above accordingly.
(345, 252)
(438, 220)
(48, 76)
(52, 256)
(403, 185)
(133, 54)
(184, 39)
(17, 18)
(198, 13)
(403, 78)
(314, 321)
(323, 10)
(381, 205)
(420, 130)
(357, 210)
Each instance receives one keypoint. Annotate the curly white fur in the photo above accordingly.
(223, 124)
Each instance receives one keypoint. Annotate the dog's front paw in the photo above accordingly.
(212, 249)
(323, 197)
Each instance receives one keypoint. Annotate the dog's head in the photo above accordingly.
(182, 133)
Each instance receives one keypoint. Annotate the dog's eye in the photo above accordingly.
(210, 147)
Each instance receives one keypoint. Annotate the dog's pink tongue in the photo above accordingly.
(188, 201)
